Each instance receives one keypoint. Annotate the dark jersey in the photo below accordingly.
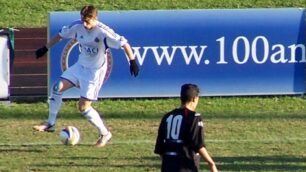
(180, 136)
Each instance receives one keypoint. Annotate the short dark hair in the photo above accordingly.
(88, 12)
(188, 92)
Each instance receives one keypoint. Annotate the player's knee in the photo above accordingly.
(84, 105)
(57, 88)
(83, 108)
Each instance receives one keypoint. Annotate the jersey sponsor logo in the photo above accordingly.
(68, 60)
(90, 51)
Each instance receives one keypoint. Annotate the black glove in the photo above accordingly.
(134, 68)
(41, 52)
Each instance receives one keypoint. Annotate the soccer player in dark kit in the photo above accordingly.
(180, 139)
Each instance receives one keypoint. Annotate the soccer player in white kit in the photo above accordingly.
(89, 71)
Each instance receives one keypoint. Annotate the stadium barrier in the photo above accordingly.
(28, 78)
(224, 51)
(5, 49)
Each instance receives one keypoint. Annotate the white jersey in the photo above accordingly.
(92, 43)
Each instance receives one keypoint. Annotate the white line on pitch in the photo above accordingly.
(277, 140)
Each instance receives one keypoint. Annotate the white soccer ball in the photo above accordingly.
(70, 135)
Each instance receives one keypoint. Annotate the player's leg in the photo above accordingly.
(90, 84)
(55, 100)
(68, 79)
(55, 103)
(94, 118)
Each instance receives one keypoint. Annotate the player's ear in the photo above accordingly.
(194, 99)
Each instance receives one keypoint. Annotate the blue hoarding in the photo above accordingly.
(224, 51)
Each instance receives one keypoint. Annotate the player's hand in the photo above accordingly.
(213, 168)
(134, 68)
(41, 52)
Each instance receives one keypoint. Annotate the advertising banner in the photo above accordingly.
(224, 51)
(4, 67)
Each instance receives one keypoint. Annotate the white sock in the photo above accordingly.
(55, 103)
(94, 118)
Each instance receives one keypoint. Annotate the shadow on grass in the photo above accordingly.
(17, 150)
(260, 163)
(102, 162)
(146, 115)
(234, 163)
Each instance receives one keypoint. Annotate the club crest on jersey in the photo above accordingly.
(97, 40)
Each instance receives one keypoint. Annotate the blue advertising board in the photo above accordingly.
(224, 51)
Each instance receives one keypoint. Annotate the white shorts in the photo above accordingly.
(88, 80)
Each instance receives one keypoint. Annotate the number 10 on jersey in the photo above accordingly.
(174, 126)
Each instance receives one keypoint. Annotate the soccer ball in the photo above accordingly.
(70, 135)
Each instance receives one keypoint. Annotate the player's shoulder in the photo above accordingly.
(198, 119)
(172, 112)
(106, 29)
(176, 111)
(192, 113)
(103, 26)
(169, 113)
(76, 23)
(197, 114)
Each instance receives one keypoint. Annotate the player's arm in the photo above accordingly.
(159, 145)
(205, 155)
(116, 41)
(53, 41)
(43, 50)
(199, 145)
(128, 50)
(133, 65)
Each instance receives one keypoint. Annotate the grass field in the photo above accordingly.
(33, 13)
(242, 134)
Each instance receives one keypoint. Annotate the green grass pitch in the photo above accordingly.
(242, 134)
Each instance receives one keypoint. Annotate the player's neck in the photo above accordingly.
(89, 26)
(189, 106)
